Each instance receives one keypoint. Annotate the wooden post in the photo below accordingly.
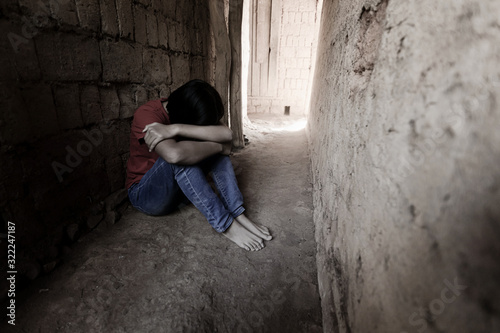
(235, 100)
(222, 51)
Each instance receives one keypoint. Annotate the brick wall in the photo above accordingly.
(73, 72)
(296, 32)
(297, 49)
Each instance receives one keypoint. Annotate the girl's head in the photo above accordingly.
(195, 103)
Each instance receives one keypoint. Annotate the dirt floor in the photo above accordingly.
(176, 274)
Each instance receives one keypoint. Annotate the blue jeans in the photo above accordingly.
(166, 185)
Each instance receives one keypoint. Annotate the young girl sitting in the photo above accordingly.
(174, 143)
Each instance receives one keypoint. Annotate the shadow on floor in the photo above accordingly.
(176, 274)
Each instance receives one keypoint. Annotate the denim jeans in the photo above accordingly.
(165, 185)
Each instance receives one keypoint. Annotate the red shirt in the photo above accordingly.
(141, 160)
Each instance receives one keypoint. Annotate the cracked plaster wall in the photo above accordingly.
(405, 153)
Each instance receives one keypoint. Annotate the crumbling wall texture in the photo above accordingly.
(73, 72)
(405, 152)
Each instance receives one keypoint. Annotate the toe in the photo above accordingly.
(264, 229)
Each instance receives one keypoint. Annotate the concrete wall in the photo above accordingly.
(73, 72)
(405, 149)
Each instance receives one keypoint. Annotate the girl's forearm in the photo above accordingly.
(187, 152)
(218, 133)
(193, 152)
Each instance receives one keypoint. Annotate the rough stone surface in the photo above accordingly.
(72, 75)
(405, 153)
(39, 104)
(125, 18)
(180, 69)
(68, 57)
(152, 29)
(162, 33)
(109, 17)
(131, 97)
(67, 101)
(157, 67)
(88, 14)
(64, 12)
(90, 104)
(110, 103)
(140, 25)
(13, 129)
(26, 63)
(121, 61)
(176, 274)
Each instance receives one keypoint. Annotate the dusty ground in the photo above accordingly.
(176, 274)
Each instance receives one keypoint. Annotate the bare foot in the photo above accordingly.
(243, 237)
(256, 229)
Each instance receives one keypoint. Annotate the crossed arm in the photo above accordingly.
(213, 140)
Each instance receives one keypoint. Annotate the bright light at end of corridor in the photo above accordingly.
(294, 125)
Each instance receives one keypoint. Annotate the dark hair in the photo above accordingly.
(195, 103)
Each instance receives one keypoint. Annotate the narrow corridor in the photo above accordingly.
(176, 274)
